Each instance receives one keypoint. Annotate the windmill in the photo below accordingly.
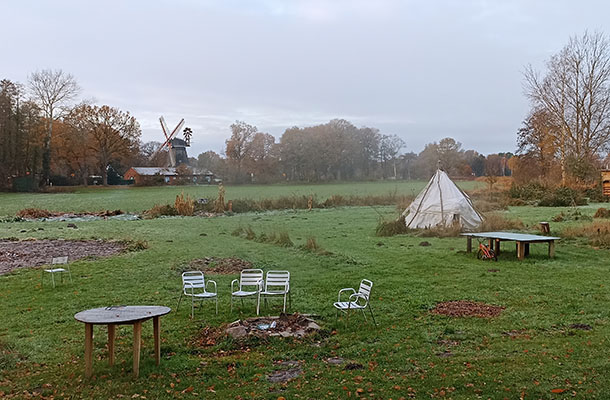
(177, 147)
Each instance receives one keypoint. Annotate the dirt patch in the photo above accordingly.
(221, 266)
(466, 308)
(30, 253)
(36, 213)
(286, 325)
(517, 334)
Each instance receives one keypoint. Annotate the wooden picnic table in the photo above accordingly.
(523, 241)
(121, 315)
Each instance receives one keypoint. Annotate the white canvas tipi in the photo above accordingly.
(442, 203)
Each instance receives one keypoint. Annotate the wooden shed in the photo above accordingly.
(606, 182)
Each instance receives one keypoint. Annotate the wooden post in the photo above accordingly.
(88, 350)
(157, 335)
(468, 244)
(137, 339)
(551, 248)
(497, 247)
(527, 249)
(520, 250)
(111, 334)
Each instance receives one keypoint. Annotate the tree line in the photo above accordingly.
(46, 136)
(338, 150)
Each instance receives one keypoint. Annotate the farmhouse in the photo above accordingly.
(168, 175)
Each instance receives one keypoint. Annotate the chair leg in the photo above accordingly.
(231, 303)
(192, 307)
(372, 316)
(53, 279)
(179, 299)
(216, 298)
(285, 303)
(258, 304)
(364, 314)
(70, 275)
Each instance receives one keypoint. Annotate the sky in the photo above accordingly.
(422, 70)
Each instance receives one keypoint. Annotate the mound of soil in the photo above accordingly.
(223, 266)
(29, 253)
(37, 213)
(466, 308)
(286, 325)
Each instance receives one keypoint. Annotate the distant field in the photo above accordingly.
(137, 199)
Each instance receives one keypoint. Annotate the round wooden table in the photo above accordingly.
(121, 315)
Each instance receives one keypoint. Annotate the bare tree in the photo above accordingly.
(51, 90)
(575, 92)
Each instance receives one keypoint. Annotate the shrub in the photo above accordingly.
(571, 215)
(283, 239)
(562, 197)
(250, 234)
(391, 228)
(137, 245)
(497, 222)
(184, 206)
(34, 213)
(158, 210)
(597, 232)
(602, 213)
(244, 205)
(530, 191)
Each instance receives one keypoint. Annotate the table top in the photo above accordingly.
(519, 237)
(120, 314)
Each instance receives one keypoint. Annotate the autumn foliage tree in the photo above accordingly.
(111, 134)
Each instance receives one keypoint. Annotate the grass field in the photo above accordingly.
(137, 199)
(528, 351)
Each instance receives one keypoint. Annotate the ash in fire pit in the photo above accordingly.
(286, 325)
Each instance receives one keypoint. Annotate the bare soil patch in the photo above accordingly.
(221, 266)
(466, 308)
(30, 253)
(36, 213)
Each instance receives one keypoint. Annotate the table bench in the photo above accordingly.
(523, 241)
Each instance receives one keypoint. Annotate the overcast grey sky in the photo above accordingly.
(423, 70)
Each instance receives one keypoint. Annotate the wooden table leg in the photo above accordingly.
(497, 248)
(137, 339)
(520, 250)
(527, 249)
(111, 334)
(157, 335)
(468, 244)
(88, 349)
(551, 248)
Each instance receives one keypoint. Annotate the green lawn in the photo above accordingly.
(137, 199)
(529, 350)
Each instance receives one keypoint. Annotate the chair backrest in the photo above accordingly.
(277, 278)
(365, 289)
(193, 280)
(59, 260)
(250, 277)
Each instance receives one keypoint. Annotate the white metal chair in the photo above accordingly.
(195, 286)
(57, 270)
(357, 300)
(249, 278)
(277, 283)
